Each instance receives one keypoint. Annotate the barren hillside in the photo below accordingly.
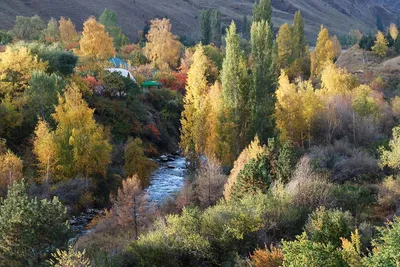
(339, 16)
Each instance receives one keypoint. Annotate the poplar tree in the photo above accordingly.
(235, 92)
(264, 79)
(323, 53)
(216, 27)
(52, 32)
(381, 45)
(193, 136)
(95, 41)
(205, 26)
(298, 38)
(246, 26)
(285, 46)
(263, 11)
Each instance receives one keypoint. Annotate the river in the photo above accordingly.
(165, 182)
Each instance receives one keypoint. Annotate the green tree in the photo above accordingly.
(215, 22)
(110, 21)
(386, 251)
(264, 80)
(391, 157)
(379, 24)
(30, 229)
(28, 28)
(205, 26)
(235, 92)
(246, 28)
(5, 37)
(136, 162)
(300, 47)
(262, 10)
(52, 32)
(42, 93)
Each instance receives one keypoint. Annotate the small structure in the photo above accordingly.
(119, 63)
(150, 85)
(123, 72)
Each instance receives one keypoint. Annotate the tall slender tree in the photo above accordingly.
(285, 47)
(205, 26)
(299, 40)
(323, 53)
(262, 10)
(246, 25)
(264, 80)
(193, 137)
(216, 27)
(235, 92)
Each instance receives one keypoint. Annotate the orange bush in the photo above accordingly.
(268, 257)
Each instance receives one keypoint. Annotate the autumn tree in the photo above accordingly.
(10, 170)
(131, 206)
(300, 47)
(95, 42)
(214, 102)
(193, 136)
(210, 182)
(235, 93)
(44, 148)
(162, 47)
(16, 65)
(285, 44)
(337, 47)
(251, 152)
(323, 53)
(81, 144)
(136, 162)
(69, 258)
(264, 79)
(381, 45)
(394, 31)
(67, 30)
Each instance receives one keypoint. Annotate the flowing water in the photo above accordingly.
(165, 182)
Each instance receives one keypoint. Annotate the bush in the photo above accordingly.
(329, 226)
(268, 257)
(5, 38)
(116, 85)
(69, 258)
(343, 163)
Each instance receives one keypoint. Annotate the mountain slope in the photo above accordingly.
(340, 16)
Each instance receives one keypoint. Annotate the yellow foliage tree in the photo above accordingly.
(163, 47)
(351, 250)
(213, 103)
(253, 151)
(285, 46)
(81, 144)
(44, 148)
(67, 30)
(95, 41)
(10, 170)
(337, 81)
(136, 162)
(16, 65)
(337, 47)
(381, 45)
(193, 137)
(323, 53)
(394, 31)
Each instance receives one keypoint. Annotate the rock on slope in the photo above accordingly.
(340, 16)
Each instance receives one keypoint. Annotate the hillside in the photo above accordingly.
(339, 16)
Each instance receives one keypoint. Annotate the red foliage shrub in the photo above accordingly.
(176, 81)
(153, 130)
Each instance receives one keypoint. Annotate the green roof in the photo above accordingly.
(151, 83)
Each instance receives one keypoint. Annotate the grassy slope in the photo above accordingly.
(339, 16)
